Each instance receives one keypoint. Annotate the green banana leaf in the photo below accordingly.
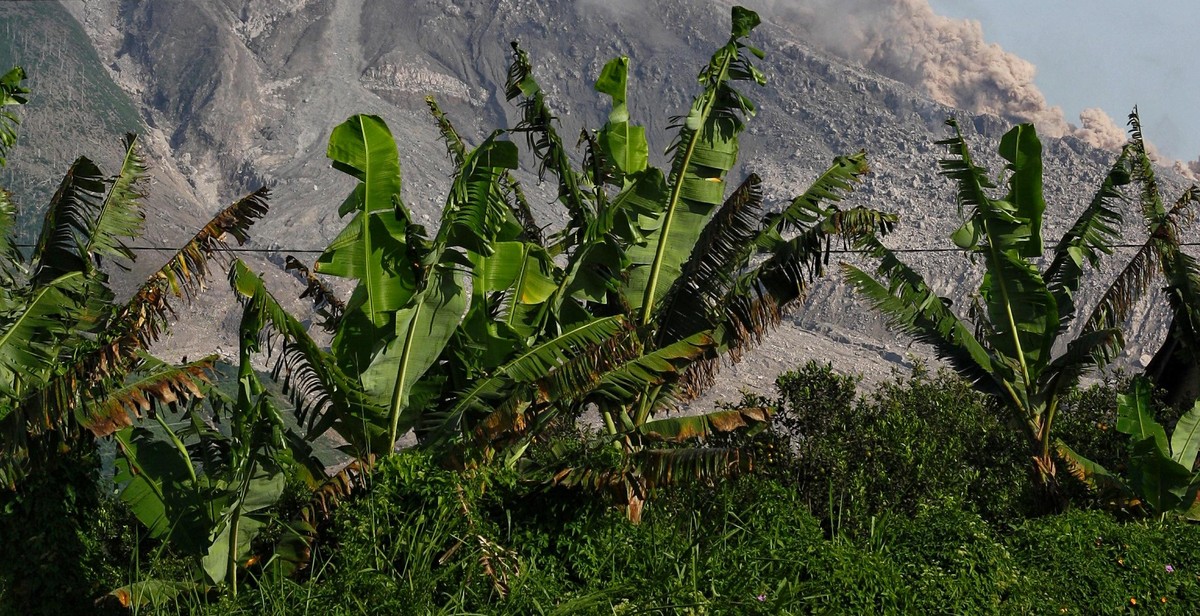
(537, 122)
(371, 248)
(11, 93)
(66, 221)
(913, 308)
(596, 266)
(245, 513)
(830, 188)
(1135, 418)
(721, 252)
(12, 262)
(120, 213)
(476, 212)
(632, 379)
(33, 325)
(1022, 149)
(161, 489)
(524, 276)
(1163, 483)
(1161, 478)
(527, 368)
(624, 144)
(422, 330)
(703, 153)
(1185, 440)
(1093, 234)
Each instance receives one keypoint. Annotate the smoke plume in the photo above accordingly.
(947, 58)
(1098, 129)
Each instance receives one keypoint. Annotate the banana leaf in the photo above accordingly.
(704, 151)
(624, 143)
(371, 248)
(679, 429)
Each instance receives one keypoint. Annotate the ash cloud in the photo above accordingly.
(947, 58)
(1098, 129)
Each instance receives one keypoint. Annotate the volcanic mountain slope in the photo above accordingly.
(244, 92)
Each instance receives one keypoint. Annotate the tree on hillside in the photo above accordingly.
(72, 356)
(1005, 344)
(626, 309)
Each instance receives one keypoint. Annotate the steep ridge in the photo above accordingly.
(245, 92)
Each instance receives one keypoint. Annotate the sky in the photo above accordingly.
(1107, 54)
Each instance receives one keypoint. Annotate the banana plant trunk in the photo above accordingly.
(1047, 489)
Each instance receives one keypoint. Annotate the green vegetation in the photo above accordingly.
(1006, 344)
(426, 539)
(1159, 476)
(488, 339)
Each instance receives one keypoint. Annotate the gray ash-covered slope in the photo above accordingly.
(245, 92)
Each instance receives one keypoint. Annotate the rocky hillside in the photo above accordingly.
(239, 93)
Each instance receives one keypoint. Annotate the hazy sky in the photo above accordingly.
(1107, 54)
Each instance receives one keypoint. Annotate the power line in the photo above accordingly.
(226, 249)
(843, 251)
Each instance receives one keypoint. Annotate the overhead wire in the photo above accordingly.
(245, 249)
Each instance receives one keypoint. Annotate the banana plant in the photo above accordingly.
(209, 491)
(628, 308)
(411, 291)
(1175, 368)
(71, 355)
(1160, 476)
(661, 268)
(1006, 345)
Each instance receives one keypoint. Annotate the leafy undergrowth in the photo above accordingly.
(749, 546)
(909, 500)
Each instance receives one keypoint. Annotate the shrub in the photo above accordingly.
(64, 541)
(1088, 422)
(920, 441)
(1089, 428)
(1087, 562)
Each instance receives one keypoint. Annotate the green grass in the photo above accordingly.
(748, 546)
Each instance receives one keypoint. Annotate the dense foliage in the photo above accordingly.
(488, 339)
(426, 539)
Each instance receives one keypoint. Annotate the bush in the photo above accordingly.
(916, 442)
(1088, 423)
(64, 541)
(1087, 562)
